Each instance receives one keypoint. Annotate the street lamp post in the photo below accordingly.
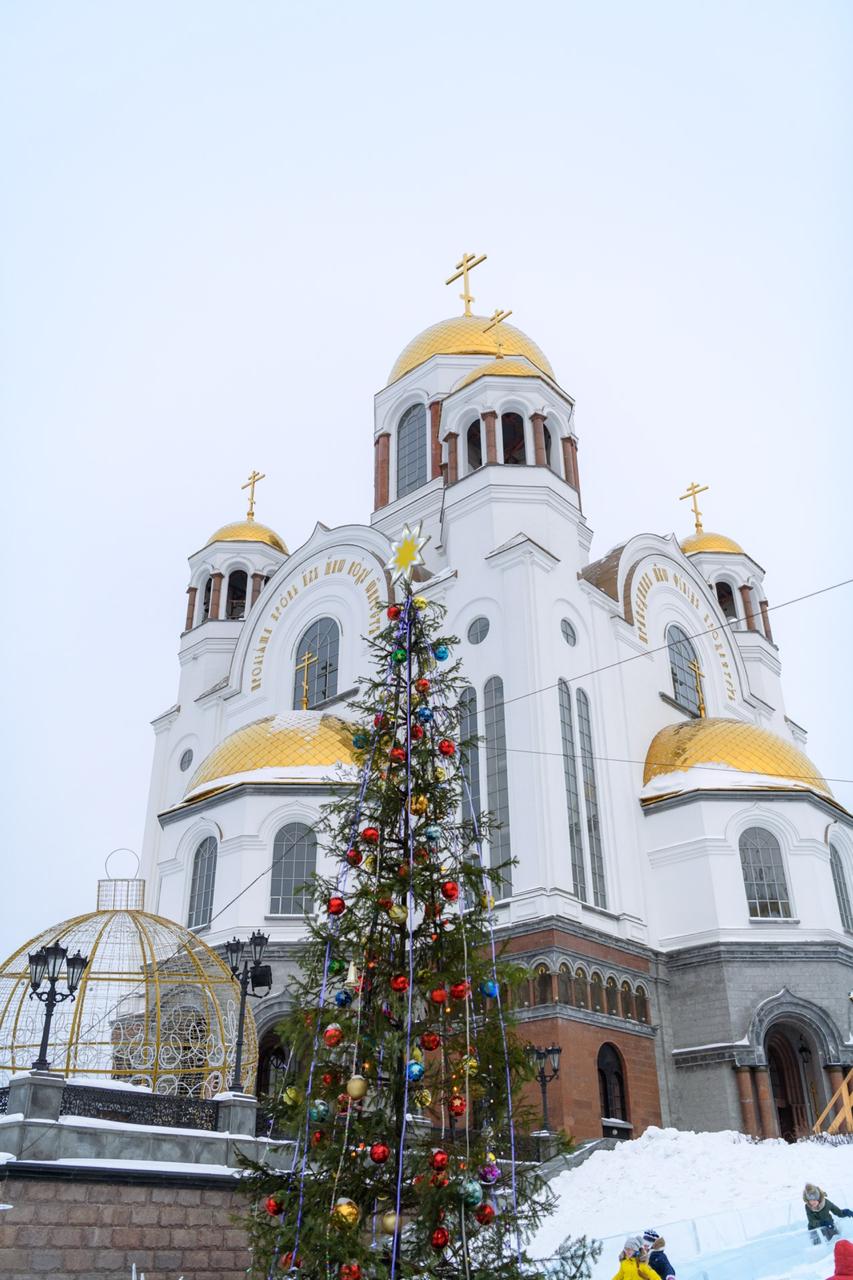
(537, 1058)
(47, 963)
(254, 973)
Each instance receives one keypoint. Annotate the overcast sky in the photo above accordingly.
(220, 223)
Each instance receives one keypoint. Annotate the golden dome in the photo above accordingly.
(248, 531)
(499, 369)
(155, 1007)
(714, 748)
(698, 542)
(464, 336)
(296, 746)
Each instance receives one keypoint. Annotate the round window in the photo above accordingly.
(478, 630)
(186, 760)
(569, 634)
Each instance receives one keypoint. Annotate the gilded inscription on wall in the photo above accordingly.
(658, 573)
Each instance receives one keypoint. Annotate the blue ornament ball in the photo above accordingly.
(415, 1071)
(471, 1193)
(441, 652)
(424, 714)
(432, 832)
(488, 987)
(319, 1111)
(359, 741)
(343, 999)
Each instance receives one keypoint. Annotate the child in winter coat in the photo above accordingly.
(843, 1261)
(631, 1264)
(657, 1259)
(819, 1212)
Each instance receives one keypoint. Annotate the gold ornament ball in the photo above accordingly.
(420, 602)
(423, 1097)
(369, 864)
(398, 913)
(389, 1222)
(291, 1097)
(357, 1087)
(470, 1066)
(440, 775)
(419, 804)
(346, 1211)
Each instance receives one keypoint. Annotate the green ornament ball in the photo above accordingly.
(399, 655)
(471, 1193)
(336, 966)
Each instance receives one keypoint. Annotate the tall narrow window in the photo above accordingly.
(611, 998)
(590, 793)
(205, 600)
(611, 1084)
(547, 435)
(596, 993)
(581, 989)
(628, 1001)
(411, 450)
(764, 875)
(686, 672)
(474, 445)
(726, 600)
(202, 885)
(469, 755)
(512, 431)
(316, 674)
(235, 605)
(542, 991)
(839, 879)
(294, 860)
(564, 985)
(497, 781)
(642, 1005)
(573, 803)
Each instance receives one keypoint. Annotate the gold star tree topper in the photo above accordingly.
(406, 553)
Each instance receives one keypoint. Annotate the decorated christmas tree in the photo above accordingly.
(402, 1090)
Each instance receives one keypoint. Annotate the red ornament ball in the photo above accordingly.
(393, 612)
(422, 685)
(460, 990)
(485, 1213)
(370, 835)
(336, 906)
(287, 1261)
(317, 1137)
(398, 755)
(343, 1103)
(378, 720)
(438, 995)
(350, 1271)
(417, 732)
(439, 1159)
(446, 747)
(333, 1035)
(421, 854)
(327, 1079)
(450, 890)
(354, 857)
(439, 1180)
(379, 1152)
(273, 1207)
(440, 1238)
(399, 982)
(456, 1105)
(430, 1040)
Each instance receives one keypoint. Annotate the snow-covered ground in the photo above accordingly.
(729, 1209)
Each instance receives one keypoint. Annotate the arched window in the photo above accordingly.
(564, 985)
(842, 893)
(294, 860)
(573, 803)
(205, 600)
(512, 433)
(497, 781)
(547, 435)
(686, 672)
(596, 993)
(641, 1004)
(581, 989)
(764, 875)
(590, 791)
(726, 600)
(235, 605)
(611, 998)
(611, 1084)
(628, 1002)
(542, 991)
(316, 675)
(469, 754)
(411, 450)
(201, 887)
(474, 446)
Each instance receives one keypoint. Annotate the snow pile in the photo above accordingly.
(707, 1193)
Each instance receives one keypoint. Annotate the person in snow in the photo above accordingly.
(631, 1263)
(819, 1213)
(657, 1259)
(843, 1260)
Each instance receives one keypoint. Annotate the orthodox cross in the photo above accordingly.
(697, 680)
(467, 263)
(693, 489)
(250, 485)
(496, 320)
(303, 666)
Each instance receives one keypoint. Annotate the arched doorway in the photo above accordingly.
(793, 1062)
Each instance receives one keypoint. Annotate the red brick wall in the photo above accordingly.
(546, 939)
(74, 1230)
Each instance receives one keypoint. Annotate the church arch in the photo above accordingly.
(788, 1008)
(726, 599)
(581, 988)
(411, 450)
(204, 600)
(237, 594)
(474, 452)
(514, 447)
(613, 1095)
(316, 662)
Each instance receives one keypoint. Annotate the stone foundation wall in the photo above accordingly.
(68, 1228)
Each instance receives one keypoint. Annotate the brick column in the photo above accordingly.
(836, 1078)
(490, 418)
(765, 619)
(381, 477)
(766, 1105)
(747, 1102)
(215, 592)
(570, 463)
(540, 458)
(192, 592)
(257, 587)
(435, 443)
(746, 597)
(452, 457)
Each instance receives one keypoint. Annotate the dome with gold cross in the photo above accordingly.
(249, 530)
(467, 336)
(701, 540)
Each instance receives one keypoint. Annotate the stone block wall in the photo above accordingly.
(68, 1228)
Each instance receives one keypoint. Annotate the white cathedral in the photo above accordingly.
(681, 890)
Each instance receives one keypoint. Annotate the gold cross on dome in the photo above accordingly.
(250, 485)
(308, 660)
(496, 320)
(693, 489)
(467, 263)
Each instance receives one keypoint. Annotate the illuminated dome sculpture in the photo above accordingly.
(155, 1006)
